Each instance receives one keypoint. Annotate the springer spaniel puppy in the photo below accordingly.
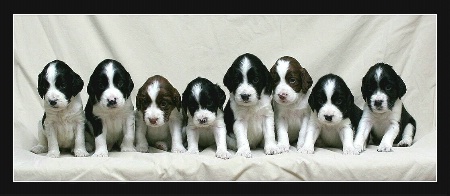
(109, 110)
(249, 116)
(158, 116)
(202, 105)
(290, 101)
(63, 123)
(334, 116)
(384, 115)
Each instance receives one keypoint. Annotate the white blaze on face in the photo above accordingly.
(378, 95)
(202, 117)
(153, 112)
(245, 88)
(329, 109)
(111, 92)
(54, 94)
(283, 88)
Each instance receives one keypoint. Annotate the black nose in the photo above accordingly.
(328, 117)
(52, 102)
(203, 120)
(282, 96)
(111, 102)
(153, 120)
(378, 103)
(245, 97)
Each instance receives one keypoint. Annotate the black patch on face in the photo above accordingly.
(258, 75)
(67, 81)
(212, 97)
(98, 81)
(390, 83)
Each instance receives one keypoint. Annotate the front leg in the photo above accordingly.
(270, 144)
(53, 147)
(192, 139)
(302, 132)
(282, 133)
(312, 133)
(127, 144)
(141, 132)
(80, 147)
(346, 135)
(388, 138)
(101, 148)
(221, 143)
(362, 132)
(240, 131)
(177, 138)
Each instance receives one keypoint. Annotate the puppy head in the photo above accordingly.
(110, 84)
(57, 84)
(331, 99)
(247, 79)
(156, 99)
(201, 100)
(290, 79)
(381, 87)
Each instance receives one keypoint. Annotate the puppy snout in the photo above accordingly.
(328, 117)
(153, 120)
(245, 97)
(203, 120)
(378, 103)
(52, 102)
(112, 102)
(282, 96)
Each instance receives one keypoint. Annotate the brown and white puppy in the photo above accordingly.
(158, 116)
(292, 85)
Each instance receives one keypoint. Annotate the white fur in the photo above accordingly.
(245, 87)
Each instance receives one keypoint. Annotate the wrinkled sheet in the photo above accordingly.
(182, 47)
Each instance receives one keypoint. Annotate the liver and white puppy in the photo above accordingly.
(158, 116)
(290, 101)
(63, 123)
(249, 115)
(202, 105)
(109, 110)
(334, 116)
(384, 115)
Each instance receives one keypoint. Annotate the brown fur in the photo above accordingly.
(295, 70)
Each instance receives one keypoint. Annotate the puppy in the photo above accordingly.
(384, 115)
(109, 110)
(334, 116)
(290, 101)
(63, 123)
(158, 116)
(249, 116)
(202, 104)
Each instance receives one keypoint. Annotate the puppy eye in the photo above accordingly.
(292, 80)
(63, 85)
(255, 80)
(321, 101)
(119, 84)
(388, 87)
(101, 86)
(209, 104)
(163, 104)
(339, 101)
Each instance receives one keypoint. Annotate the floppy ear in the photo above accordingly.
(130, 85)
(306, 80)
(269, 83)
(177, 99)
(77, 84)
(401, 87)
(221, 95)
(139, 100)
(41, 80)
(184, 103)
(311, 100)
(227, 79)
(350, 99)
(365, 88)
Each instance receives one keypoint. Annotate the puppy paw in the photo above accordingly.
(384, 148)
(405, 143)
(100, 154)
(127, 149)
(359, 148)
(89, 147)
(80, 153)
(223, 154)
(39, 149)
(350, 151)
(245, 152)
(271, 149)
(306, 150)
(161, 145)
(283, 148)
(142, 148)
(178, 149)
(53, 154)
(193, 151)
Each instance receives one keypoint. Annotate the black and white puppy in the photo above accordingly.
(290, 101)
(384, 115)
(63, 123)
(334, 116)
(249, 116)
(202, 104)
(109, 110)
(158, 116)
